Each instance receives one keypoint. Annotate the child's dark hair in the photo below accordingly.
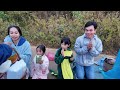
(66, 40)
(89, 23)
(18, 28)
(42, 47)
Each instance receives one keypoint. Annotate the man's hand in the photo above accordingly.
(90, 45)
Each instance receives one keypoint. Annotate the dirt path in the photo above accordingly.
(53, 66)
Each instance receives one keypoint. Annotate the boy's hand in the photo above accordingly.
(71, 59)
(62, 52)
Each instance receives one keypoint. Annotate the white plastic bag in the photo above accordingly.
(17, 70)
(5, 66)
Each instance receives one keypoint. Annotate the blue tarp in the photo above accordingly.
(114, 73)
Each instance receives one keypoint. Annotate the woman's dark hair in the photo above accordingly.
(66, 40)
(89, 23)
(19, 30)
(42, 47)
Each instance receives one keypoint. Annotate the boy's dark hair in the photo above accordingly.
(42, 47)
(19, 30)
(89, 23)
(66, 40)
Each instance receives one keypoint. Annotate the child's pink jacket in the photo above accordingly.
(40, 71)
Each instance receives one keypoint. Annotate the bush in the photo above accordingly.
(50, 31)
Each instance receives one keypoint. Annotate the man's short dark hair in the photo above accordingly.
(89, 23)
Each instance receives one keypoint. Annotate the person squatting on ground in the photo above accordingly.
(19, 44)
(87, 47)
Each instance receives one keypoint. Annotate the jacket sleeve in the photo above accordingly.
(7, 39)
(58, 57)
(78, 48)
(45, 64)
(32, 66)
(95, 51)
(71, 57)
(26, 56)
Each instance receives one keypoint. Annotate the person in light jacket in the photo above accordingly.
(87, 47)
(19, 44)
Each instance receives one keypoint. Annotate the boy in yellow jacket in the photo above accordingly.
(63, 57)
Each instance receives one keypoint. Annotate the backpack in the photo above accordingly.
(51, 56)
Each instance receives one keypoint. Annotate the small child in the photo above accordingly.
(40, 64)
(63, 57)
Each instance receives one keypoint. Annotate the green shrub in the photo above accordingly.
(50, 31)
